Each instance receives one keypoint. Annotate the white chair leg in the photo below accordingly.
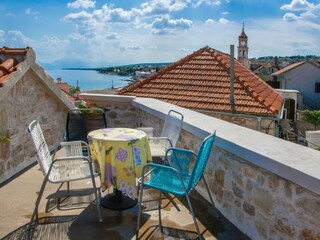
(96, 195)
(35, 211)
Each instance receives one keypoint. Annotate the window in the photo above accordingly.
(317, 87)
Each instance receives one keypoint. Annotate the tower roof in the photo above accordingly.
(242, 34)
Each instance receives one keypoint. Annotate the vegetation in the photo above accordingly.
(311, 116)
(289, 59)
(126, 70)
(73, 90)
(4, 136)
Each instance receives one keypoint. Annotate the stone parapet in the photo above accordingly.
(269, 188)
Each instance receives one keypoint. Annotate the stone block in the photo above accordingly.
(273, 182)
(307, 234)
(249, 186)
(261, 179)
(219, 177)
(237, 177)
(248, 208)
(310, 206)
(284, 227)
(237, 190)
(261, 225)
(263, 200)
(287, 189)
(249, 173)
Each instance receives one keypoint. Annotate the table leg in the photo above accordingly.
(117, 201)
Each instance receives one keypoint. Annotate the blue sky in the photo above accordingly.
(101, 33)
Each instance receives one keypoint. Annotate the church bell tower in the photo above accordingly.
(243, 48)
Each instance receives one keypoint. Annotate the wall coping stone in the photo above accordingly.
(291, 161)
(106, 97)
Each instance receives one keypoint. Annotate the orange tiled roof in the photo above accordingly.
(288, 68)
(201, 81)
(70, 96)
(9, 60)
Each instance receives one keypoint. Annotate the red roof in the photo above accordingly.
(288, 68)
(9, 60)
(201, 81)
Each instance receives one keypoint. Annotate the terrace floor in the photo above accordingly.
(17, 200)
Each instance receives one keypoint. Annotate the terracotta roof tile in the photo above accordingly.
(10, 59)
(288, 68)
(201, 81)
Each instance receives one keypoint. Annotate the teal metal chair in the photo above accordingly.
(179, 178)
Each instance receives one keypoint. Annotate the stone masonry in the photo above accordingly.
(28, 100)
(261, 204)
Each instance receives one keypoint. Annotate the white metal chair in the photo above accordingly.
(71, 167)
(169, 137)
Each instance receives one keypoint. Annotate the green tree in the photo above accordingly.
(73, 89)
(311, 116)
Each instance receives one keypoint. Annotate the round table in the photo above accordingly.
(121, 153)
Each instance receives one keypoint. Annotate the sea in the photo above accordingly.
(89, 79)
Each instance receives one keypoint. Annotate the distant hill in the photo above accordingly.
(126, 70)
(289, 59)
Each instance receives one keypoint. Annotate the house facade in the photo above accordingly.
(26, 90)
(304, 77)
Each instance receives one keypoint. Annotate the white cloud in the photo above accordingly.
(290, 17)
(2, 35)
(54, 42)
(197, 3)
(225, 13)
(165, 24)
(306, 11)
(223, 21)
(156, 7)
(79, 16)
(17, 37)
(298, 5)
(209, 21)
(134, 47)
(82, 4)
(14, 39)
(112, 36)
(10, 14)
(31, 12)
(183, 50)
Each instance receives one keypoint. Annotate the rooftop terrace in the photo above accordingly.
(263, 187)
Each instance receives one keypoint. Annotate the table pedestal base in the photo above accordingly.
(117, 201)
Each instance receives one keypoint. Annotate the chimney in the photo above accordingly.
(232, 100)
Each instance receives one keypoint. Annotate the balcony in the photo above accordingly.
(263, 187)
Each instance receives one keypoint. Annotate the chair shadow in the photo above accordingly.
(47, 228)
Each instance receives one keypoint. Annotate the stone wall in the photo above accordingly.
(28, 100)
(119, 114)
(266, 125)
(261, 204)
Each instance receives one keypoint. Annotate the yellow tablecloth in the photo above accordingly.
(121, 153)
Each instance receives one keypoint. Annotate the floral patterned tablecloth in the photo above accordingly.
(121, 153)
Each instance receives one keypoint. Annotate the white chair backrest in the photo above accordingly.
(172, 127)
(44, 157)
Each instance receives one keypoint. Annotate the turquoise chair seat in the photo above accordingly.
(166, 179)
(181, 174)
